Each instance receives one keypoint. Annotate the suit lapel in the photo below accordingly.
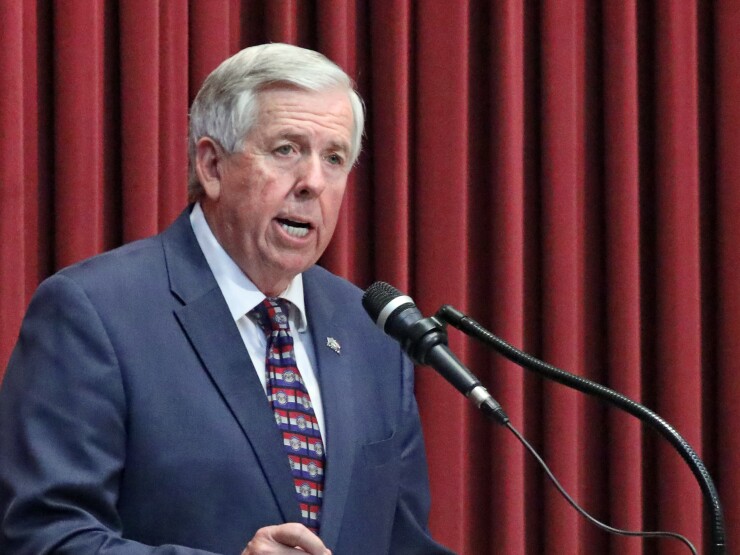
(335, 373)
(206, 320)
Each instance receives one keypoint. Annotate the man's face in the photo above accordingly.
(273, 206)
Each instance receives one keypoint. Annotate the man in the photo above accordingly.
(139, 413)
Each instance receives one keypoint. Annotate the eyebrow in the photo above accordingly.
(340, 145)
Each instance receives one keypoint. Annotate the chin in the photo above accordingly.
(294, 268)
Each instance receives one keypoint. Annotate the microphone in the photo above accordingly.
(425, 341)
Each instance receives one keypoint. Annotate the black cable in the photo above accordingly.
(583, 512)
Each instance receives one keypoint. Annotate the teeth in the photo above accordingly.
(294, 230)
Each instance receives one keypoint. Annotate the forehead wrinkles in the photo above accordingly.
(305, 115)
(308, 121)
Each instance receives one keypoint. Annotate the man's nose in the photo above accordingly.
(310, 180)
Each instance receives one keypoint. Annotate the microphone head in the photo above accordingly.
(397, 315)
(381, 300)
(377, 296)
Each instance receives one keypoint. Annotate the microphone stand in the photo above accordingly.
(472, 328)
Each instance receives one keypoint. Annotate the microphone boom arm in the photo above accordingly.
(472, 328)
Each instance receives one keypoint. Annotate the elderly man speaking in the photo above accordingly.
(211, 390)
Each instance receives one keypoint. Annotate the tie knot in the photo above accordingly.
(271, 314)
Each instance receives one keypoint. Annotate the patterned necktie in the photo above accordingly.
(293, 409)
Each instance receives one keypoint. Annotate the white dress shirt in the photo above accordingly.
(242, 296)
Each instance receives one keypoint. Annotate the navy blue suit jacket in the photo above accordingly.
(132, 420)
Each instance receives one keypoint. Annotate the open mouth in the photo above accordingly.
(293, 228)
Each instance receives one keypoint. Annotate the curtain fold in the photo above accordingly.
(676, 258)
(562, 243)
(390, 164)
(566, 172)
(623, 357)
(503, 284)
(15, 216)
(723, 319)
(440, 150)
(140, 117)
(82, 185)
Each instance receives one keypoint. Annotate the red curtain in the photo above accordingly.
(566, 171)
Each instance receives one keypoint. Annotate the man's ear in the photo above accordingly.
(209, 165)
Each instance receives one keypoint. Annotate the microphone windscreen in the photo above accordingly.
(377, 296)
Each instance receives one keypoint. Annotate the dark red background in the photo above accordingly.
(566, 171)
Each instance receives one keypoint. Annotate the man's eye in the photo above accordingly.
(335, 159)
(284, 149)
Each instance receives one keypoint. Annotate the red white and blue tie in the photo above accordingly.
(294, 412)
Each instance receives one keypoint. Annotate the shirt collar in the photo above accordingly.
(240, 293)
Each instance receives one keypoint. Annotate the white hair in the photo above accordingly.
(226, 105)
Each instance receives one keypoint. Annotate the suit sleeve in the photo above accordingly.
(410, 534)
(63, 433)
